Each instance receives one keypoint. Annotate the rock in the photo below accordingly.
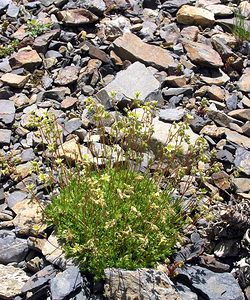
(13, 10)
(191, 15)
(245, 9)
(237, 138)
(162, 131)
(71, 126)
(202, 54)
(246, 129)
(175, 81)
(218, 77)
(5, 135)
(216, 93)
(242, 160)
(67, 75)
(53, 252)
(127, 82)
(220, 10)
(187, 90)
(221, 118)
(140, 284)
(227, 248)
(241, 114)
(76, 17)
(185, 292)
(7, 111)
(15, 197)
(172, 6)
(41, 42)
(28, 59)
(210, 285)
(170, 33)
(244, 81)
(72, 151)
(58, 93)
(221, 180)
(13, 80)
(68, 102)
(4, 4)
(242, 184)
(12, 249)
(65, 283)
(39, 279)
(132, 48)
(29, 213)
(171, 114)
(12, 281)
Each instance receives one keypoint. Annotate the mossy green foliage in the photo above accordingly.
(115, 218)
(241, 28)
(34, 28)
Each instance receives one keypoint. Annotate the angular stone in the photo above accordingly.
(12, 249)
(127, 82)
(28, 214)
(53, 251)
(222, 119)
(170, 33)
(14, 80)
(15, 197)
(68, 102)
(39, 279)
(244, 81)
(175, 81)
(202, 54)
(210, 285)
(28, 59)
(162, 131)
(72, 151)
(191, 15)
(144, 284)
(242, 185)
(65, 283)
(216, 93)
(41, 42)
(242, 160)
(237, 138)
(7, 111)
(12, 281)
(245, 9)
(218, 77)
(220, 10)
(67, 75)
(132, 48)
(76, 17)
(221, 180)
(5, 135)
(171, 114)
(241, 114)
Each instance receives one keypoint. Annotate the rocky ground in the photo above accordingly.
(179, 52)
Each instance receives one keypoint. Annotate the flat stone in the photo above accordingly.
(237, 138)
(211, 285)
(242, 185)
(15, 197)
(246, 129)
(4, 4)
(216, 93)
(68, 102)
(242, 160)
(67, 75)
(175, 81)
(220, 10)
(53, 251)
(28, 59)
(64, 283)
(39, 279)
(28, 213)
(72, 125)
(245, 9)
(14, 80)
(72, 151)
(222, 119)
(140, 284)
(241, 114)
(76, 17)
(13, 10)
(218, 77)
(203, 54)
(5, 135)
(244, 81)
(130, 47)
(12, 281)
(171, 114)
(170, 33)
(12, 249)
(41, 42)
(7, 111)
(227, 248)
(127, 82)
(221, 180)
(162, 131)
(191, 15)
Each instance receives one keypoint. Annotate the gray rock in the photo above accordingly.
(4, 4)
(126, 83)
(185, 292)
(39, 279)
(7, 111)
(16, 197)
(56, 94)
(13, 10)
(242, 160)
(177, 91)
(65, 283)
(210, 285)
(12, 281)
(242, 184)
(221, 118)
(5, 135)
(12, 249)
(172, 6)
(72, 125)
(27, 155)
(67, 75)
(171, 114)
(144, 284)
